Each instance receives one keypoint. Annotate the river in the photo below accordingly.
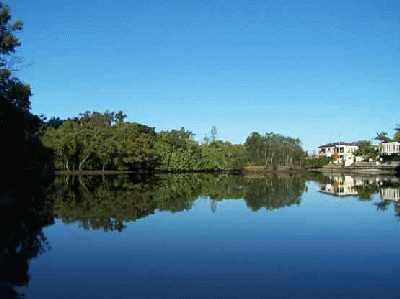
(204, 236)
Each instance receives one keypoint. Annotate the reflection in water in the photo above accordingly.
(390, 190)
(346, 185)
(363, 187)
(108, 203)
(23, 214)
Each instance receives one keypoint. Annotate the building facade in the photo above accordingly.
(341, 152)
(389, 148)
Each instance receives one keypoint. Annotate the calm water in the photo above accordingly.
(205, 236)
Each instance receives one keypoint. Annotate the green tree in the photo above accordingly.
(274, 150)
(383, 137)
(366, 150)
(94, 141)
(178, 151)
(19, 128)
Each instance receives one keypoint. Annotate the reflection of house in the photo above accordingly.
(342, 186)
(341, 152)
(347, 185)
(389, 148)
(390, 193)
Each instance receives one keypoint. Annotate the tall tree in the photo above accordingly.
(19, 129)
(214, 133)
(366, 150)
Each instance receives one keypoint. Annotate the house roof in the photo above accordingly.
(338, 143)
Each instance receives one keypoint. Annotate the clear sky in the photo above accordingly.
(318, 70)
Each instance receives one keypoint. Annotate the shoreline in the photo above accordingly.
(243, 171)
(359, 170)
(139, 172)
(252, 170)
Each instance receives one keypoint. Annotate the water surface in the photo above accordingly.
(207, 236)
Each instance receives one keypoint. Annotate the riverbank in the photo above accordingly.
(249, 170)
(96, 172)
(392, 168)
(141, 172)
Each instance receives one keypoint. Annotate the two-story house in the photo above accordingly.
(341, 152)
(389, 148)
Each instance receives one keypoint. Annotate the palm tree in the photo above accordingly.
(383, 137)
(397, 133)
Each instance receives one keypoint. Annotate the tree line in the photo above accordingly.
(106, 141)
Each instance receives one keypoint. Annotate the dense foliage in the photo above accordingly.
(366, 150)
(101, 141)
(105, 141)
(20, 128)
(317, 161)
(274, 150)
(178, 151)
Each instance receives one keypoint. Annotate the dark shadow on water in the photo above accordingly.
(24, 211)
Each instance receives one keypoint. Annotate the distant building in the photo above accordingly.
(341, 152)
(389, 148)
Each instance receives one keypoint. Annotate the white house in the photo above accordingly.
(342, 152)
(389, 148)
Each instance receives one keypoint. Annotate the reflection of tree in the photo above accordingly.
(383, 205)
(110, 202)
(274, 192)
(366, 190)
(98, 202)
(389, 190)
(23, 214)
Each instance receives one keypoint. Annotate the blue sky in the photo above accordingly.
(318, 70)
